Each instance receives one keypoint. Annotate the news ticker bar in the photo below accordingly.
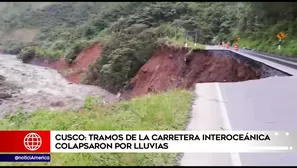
(35, 141)
(25, 157)
(172, 141)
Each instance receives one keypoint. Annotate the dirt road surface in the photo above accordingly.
(34, 87)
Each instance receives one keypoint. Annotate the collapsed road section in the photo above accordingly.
(173, 67)
(266, 104)
(284, 64)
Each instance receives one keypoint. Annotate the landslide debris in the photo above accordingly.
(172, 67)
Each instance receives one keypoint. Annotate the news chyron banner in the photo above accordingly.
(25, 146)
(36, 146)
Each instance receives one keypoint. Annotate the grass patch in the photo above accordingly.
(288, 47)
(165, 111)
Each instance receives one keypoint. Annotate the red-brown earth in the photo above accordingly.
(74, 72)
(172, 67)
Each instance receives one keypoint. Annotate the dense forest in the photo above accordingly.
(131, 31)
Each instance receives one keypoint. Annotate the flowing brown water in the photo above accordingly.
(35, 87)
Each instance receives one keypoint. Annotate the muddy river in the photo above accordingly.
(31, 87)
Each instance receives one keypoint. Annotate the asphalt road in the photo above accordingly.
(293, 59)
(286, 61)
(281, 63)
(265, 104)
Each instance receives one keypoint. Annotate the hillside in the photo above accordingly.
(10, 31)
(259, 24)
(133, 51)
(130, 32)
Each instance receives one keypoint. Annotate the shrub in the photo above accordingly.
(27, 54)
(75, 49)
(122, 56)
(13, 49)
(48, 53)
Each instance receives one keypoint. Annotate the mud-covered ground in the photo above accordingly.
(35, 87)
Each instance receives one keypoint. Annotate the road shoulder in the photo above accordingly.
(207, 115)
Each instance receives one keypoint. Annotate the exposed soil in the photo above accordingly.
(168, 68)
(73, 73)
(34, 87)
(175, 68)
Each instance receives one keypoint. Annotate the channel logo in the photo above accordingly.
(32, 141)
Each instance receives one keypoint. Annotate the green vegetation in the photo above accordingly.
(259, 23)
(75, 49)
(153, 112)
(130, 32)
(27, 54)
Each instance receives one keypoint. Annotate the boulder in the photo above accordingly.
(2, 78)
(5, 95)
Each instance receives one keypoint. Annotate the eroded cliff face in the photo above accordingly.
(74, 72)
(173, 67)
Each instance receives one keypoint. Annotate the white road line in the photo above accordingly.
(235, 158)
(205, 117)
(271, 57)
(261, 59)
(273, 64)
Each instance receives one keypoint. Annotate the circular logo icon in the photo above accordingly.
(32, 141)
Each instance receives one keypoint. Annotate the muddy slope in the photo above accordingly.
(176, 68)
(74, 72)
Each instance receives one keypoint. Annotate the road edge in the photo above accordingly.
(235, 158)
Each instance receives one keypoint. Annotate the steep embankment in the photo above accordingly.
(170, 67)
(178, 68)
(75, 71)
